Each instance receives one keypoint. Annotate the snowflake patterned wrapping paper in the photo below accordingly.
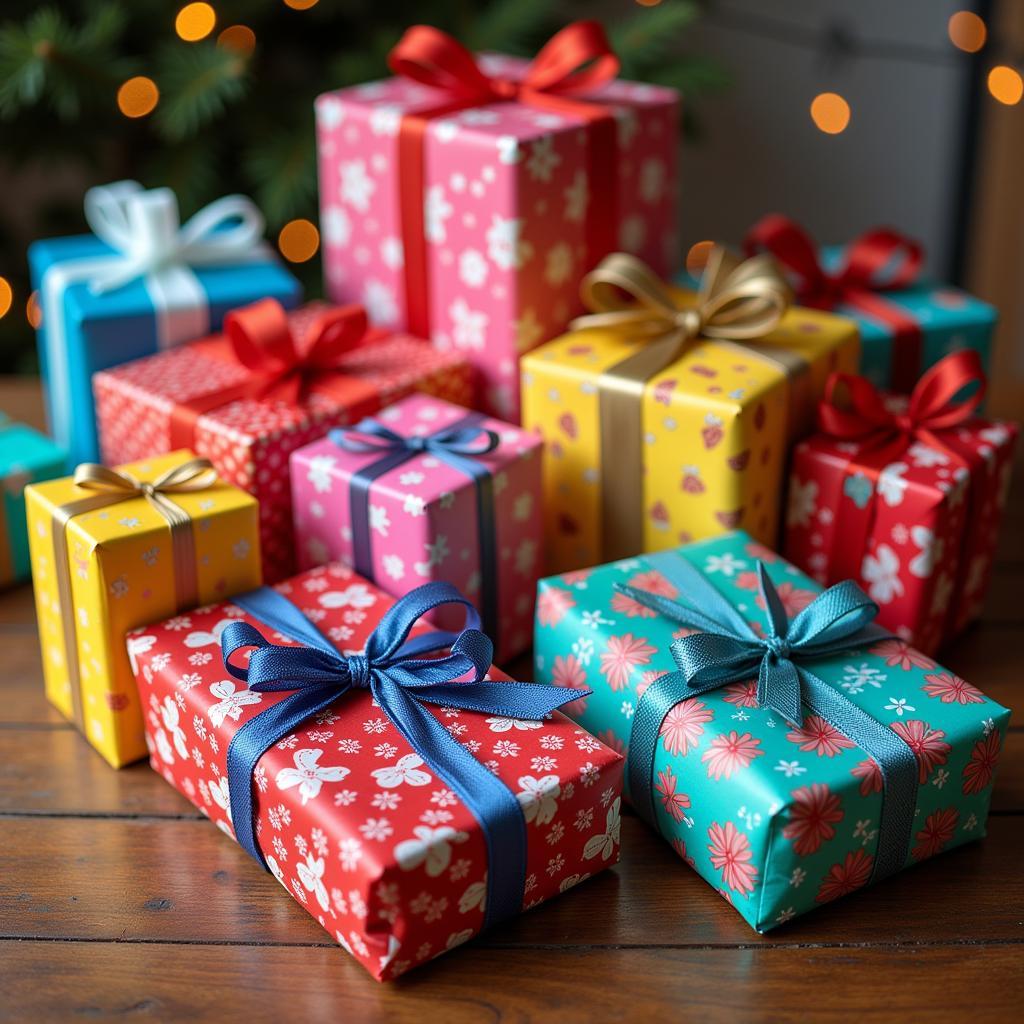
(712, 428)
(907, 324)
(87, 324)
(26, 456)
(204, 396)
(914, 521)
(119, 563)
(353, 825)
(517, 202)
(425, 517)
(780, 820)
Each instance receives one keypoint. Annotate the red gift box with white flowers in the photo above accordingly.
(350, 820)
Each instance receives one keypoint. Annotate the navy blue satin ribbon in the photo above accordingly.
(727, 650)
(402, 683)
(459, 446)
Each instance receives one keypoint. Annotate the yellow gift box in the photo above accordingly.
(667, 414)
(115, 549)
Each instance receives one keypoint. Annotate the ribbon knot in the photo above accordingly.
(358, 671)
(778, 648)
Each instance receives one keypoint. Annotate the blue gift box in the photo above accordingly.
(139, 284)
(26, 457)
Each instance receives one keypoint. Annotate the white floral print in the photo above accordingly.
(308, 774)
(432, 848)
(207, 638)
(230, 702)
(380, 303)
(357, 187)
(469, 326)
(923, 564)
(311, 874)
(356, 595)
(504, 246)
(576, 197)
(379, 521)
(539, 797)
(474, 898)
(319, 472)
(803, 502)
(436, 211)
(881, 572)
(138, 645)
(603, 845)
(337, 226)
(407, 770)
(473, 268)
(170, 715)
(558, 267)
(892, 484)
(499, 724)
(542, 159)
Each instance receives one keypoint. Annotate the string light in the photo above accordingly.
(697, 257)
(1005, 84)
(6, 296)
(300, 5)
(648, 3)
(195, 22)
(239, 38)
(138, 96)
(299, 240)
(33, 311)
(967, 31)
(830, 113)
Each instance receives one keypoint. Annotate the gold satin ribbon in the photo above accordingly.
(738, 301)
(113, 486)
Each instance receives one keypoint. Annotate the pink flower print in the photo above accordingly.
(743, 695)
(552, 604)
(684, 725)
(938, 829)
(981, 767)
(731, 854)
(679, 846)
(869, 771)
(793, 599)
(575, 578)
(675, 802)
(817, 735)
(609, 739)
(654, 583)
(631, 607)
(812, 818)
(927, 744)
(624, 654)
(899, 652)
(684, 631)
(748, 580)
(646, 678)
(951, 689)
(842, 879)
(729, 753)
(759, 551)
(568, 671)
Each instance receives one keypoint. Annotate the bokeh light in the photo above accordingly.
(830, 113)
(1005, 84)
(697, 257)
(299, 240)
(300, 5)
(195, 22)
(967, 31)
(6, 296)
(33, 311)
(138, 96)
(239, 38)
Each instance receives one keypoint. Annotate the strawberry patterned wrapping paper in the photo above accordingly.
(517, 202)
(350, 820)
(915, 521)
(424, 518)
(149, 405)
(779, 819)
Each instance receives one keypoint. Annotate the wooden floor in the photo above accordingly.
(119, 901)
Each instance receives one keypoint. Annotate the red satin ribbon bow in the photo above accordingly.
(290, 366)
(574, 62)
(877, 261)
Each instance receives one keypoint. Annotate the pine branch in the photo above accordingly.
(649, 38)
(198, 83)
(282, 169)
(509, 26)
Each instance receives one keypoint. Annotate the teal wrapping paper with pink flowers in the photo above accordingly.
(779, 816)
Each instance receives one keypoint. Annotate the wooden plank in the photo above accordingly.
(228, 983)
(178, 881)
(22, 689)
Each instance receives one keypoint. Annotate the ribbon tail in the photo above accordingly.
(524, 701)
(778, 687)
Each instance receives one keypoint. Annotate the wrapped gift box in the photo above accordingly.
(907, 323)
(26, 456)
(519, 198)
(100, 571)
(402, 515)
(351, 821)
(780, 819)
(205, 396)
(711, 432)
(916, 527)
(91, 320)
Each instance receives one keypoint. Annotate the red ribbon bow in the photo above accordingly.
(877, 261)
(574, 62)
(290, 366)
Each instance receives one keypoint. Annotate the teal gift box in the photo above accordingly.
(779, 816)
(26, 457)
(141, 282)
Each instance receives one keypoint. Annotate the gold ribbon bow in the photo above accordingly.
(739, 301)
(111, 487)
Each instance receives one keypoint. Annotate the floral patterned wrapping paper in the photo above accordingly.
(249, 440)
(779, 820)
(423, 515)
(506, 204)
(351, 821)
(933, 531)
(122, 574)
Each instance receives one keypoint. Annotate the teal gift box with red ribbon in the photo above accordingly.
(907, 322)
(906, 496)
(790, 749)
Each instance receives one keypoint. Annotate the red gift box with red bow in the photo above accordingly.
(271, 383)
(904, 495)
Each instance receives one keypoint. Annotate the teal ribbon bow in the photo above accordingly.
(728, 650)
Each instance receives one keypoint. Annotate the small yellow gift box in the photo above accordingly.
(667, 414)
(115, 549)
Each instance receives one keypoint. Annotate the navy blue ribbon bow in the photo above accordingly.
(460, 445)
(402, 682)
(728, 650)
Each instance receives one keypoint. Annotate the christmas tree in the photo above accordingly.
(212, 98)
